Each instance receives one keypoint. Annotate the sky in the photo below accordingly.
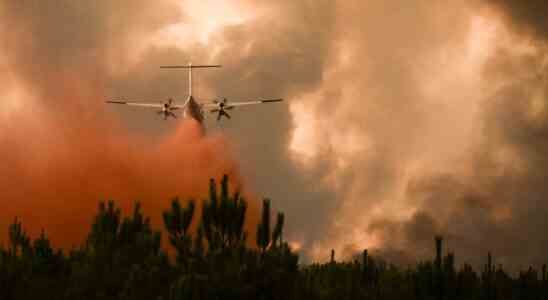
(401, 120)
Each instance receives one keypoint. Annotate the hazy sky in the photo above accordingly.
(402, 120)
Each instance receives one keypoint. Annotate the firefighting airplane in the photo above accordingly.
(191, 108)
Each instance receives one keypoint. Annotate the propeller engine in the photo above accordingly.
(222, 107)
(167, 110)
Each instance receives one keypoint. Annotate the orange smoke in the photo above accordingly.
(60, 161)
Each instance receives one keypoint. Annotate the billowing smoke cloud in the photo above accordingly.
(438, 129)
(403, 119)
(385, 114)
(529, 15)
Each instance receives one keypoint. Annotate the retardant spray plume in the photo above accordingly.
(62, 152)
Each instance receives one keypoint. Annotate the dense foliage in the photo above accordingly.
(122, 258)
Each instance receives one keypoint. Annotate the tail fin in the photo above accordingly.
(189, 67)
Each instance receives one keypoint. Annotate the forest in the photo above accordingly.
(123, 258)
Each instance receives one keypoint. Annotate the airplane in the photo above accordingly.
(191, 108)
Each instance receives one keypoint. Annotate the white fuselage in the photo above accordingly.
(193, 110)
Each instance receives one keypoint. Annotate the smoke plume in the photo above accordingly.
(402, 120)
(438, 129)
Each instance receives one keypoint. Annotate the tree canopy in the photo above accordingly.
(122, 258)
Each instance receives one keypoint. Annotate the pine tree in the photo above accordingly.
(44, 254)
(439, 272)
(277, 233)
(450, 276)
(263, 229)
(177, 222)
(223, 219)
(365, 266)
(104, 230)
(488, 277)
(18, 238)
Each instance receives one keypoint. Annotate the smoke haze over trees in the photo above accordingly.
(121, 258)
(402, 120)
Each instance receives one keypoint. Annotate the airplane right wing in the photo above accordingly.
(230, 104)
(243, 103)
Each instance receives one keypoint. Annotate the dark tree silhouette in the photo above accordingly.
(122, 258)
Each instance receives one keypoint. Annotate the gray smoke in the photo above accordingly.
(402, 120)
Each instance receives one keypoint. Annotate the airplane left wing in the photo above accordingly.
(147, 104)
(155, 105)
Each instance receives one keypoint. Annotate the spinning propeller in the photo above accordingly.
(167, 110)
(222, 107)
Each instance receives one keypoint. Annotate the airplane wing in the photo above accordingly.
(231, 104)
(146, 104)
(141, 104)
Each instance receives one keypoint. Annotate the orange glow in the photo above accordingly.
(202, 19)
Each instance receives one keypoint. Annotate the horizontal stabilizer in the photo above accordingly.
(189, 66)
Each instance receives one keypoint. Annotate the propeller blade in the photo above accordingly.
(224, 113)
(214, 110)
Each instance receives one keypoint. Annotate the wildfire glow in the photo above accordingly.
(304, 141)
(202, 18)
